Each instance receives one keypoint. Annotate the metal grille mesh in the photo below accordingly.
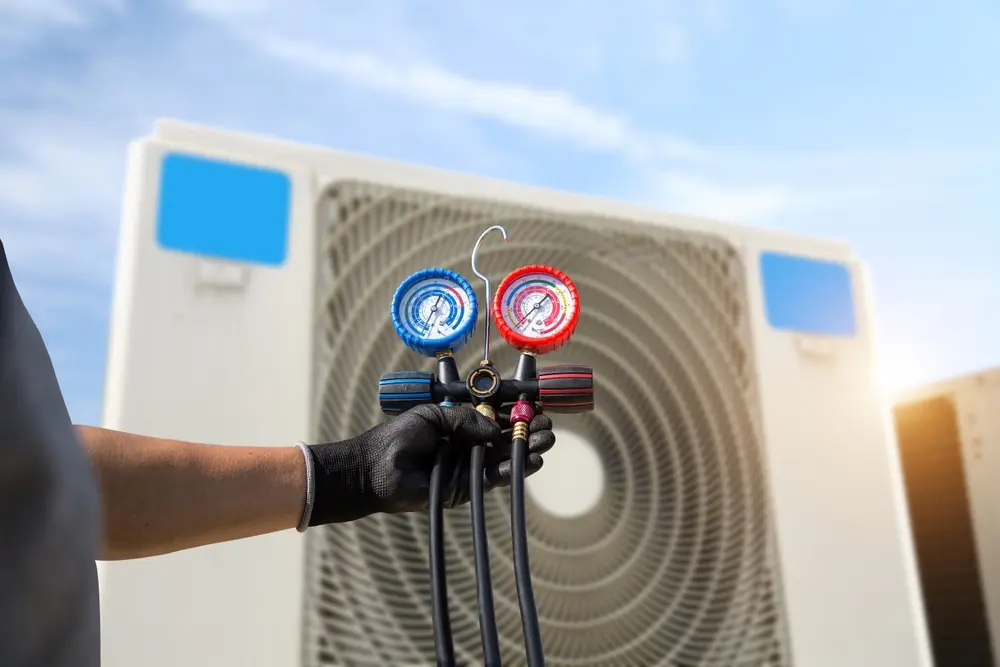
(674, 565)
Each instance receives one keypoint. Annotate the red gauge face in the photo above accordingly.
(536, 308)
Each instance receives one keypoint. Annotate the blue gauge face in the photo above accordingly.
(434, 310)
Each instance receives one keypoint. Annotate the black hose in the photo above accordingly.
(522, 569)
(481, 549)
(443, 646)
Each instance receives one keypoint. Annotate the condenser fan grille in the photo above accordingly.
(674, 565)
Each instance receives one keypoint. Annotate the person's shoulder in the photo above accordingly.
(3, 256)
(6, 279)
(50, 505)
(10, 299)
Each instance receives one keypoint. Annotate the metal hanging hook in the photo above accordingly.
(475, 251)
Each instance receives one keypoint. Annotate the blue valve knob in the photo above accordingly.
(401, 390)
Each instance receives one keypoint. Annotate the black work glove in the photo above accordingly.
(387, 469)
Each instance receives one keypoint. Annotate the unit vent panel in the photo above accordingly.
(674, 565)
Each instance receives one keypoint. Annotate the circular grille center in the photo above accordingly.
(571, 482)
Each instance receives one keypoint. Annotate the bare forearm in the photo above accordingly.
(166, 495)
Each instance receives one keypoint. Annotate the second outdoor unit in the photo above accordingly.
(949, 441)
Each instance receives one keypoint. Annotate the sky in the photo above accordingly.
(874, 122)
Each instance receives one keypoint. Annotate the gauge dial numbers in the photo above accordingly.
(536, 308)
(434, 311)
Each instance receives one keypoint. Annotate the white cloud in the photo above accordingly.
(757, 204)
(59, 170)
(540, 39)
(551, 112)
(230, 8)
(25, 22)
(62, 168)
(41, 11)
(364, 49)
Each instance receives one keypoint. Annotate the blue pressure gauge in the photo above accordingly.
(434, 311)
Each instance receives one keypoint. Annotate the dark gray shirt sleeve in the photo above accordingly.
(49, 507)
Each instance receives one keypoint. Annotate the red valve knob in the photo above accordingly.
(566, 389)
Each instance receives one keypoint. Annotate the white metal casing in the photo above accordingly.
(218, 352)
(961, 413)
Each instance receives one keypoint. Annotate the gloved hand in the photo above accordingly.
(387, 469)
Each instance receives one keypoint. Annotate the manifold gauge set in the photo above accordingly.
(536, 309)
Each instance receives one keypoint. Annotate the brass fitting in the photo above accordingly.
(520, 430)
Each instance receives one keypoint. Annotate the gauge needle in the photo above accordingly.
(433, 317)
(538, 304)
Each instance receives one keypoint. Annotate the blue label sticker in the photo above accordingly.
(808, 295)
(223, 209)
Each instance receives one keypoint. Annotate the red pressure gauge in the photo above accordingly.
(536, 308)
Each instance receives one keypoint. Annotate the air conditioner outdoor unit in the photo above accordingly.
(949, 441)
(735, 498)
